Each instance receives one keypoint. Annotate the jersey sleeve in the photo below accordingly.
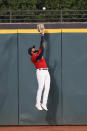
(42, 40)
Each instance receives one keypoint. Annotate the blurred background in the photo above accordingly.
(13, 11)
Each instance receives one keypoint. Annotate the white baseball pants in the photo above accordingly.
(43, 78)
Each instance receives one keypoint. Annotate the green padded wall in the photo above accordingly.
(8, 80)
(66, 57)
(74, 78)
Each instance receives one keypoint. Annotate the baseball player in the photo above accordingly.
(42, 73)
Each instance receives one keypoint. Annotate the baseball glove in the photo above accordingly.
(40, 28)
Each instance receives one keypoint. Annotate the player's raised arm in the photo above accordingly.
(41, 29)
(42, 43)
(42, 46)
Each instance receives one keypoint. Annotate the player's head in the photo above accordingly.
(32, 50)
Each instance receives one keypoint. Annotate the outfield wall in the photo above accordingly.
(66, 56)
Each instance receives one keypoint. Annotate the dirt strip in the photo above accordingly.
(43, 128)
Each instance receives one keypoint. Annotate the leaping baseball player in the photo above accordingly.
(42, 73)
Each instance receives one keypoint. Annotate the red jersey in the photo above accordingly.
(40, 63)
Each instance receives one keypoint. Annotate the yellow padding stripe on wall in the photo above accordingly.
(36, 31)
(74, 30)
(13, 31)
(8, 31)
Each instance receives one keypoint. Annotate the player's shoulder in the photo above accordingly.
(33, 56)
(40, 50)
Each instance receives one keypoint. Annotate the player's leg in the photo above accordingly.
(40, 79)
(46, 90)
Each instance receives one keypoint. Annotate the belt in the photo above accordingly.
(42, 69)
